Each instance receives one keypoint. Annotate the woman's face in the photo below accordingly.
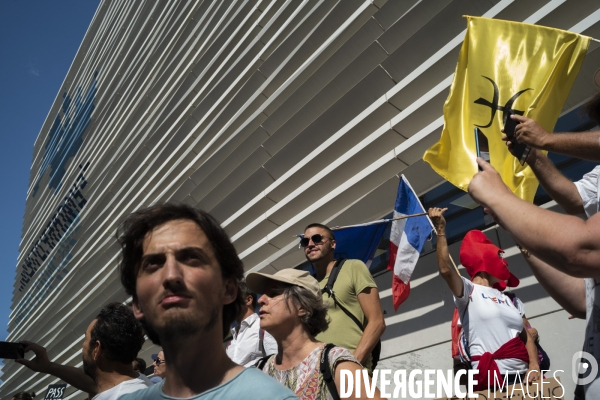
(491, 279)
(160, 367)
(275, 312)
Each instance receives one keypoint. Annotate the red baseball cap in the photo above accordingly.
(479, 254)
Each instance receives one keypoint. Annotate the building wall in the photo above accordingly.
(268, 114)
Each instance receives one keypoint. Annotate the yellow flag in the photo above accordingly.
(504, 66)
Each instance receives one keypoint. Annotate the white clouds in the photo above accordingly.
(32, 70)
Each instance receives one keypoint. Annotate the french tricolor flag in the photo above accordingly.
(406, 240)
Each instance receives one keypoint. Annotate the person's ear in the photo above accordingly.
(249, 300)
(333, 244)
(138, 313)
(230, 291)
(97, 351)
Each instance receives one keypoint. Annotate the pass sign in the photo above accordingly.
(55, 392)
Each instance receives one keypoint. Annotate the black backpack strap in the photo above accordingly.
(335, 271)
(325, 369)
(261, 341)
(261, 362)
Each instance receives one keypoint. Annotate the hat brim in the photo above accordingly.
(257, 281)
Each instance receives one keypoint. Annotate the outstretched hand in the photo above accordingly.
(39, 363)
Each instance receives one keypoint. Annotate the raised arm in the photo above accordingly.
(71, 375)
(567, 243)
(558, 186)
(447, 271)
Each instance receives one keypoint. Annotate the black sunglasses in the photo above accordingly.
(316, 239)
(158, 361)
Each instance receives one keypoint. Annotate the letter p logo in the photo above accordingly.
(584, 368)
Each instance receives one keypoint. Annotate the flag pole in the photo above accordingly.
(335, 228)
(453, 263)
(408, 216)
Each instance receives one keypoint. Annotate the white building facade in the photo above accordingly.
(270, 115)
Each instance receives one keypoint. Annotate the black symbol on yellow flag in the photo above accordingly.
(494, 106)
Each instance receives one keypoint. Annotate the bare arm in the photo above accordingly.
(71, 375)
(559, 187)
(533, 371)
(584, 145)
(371, 305)
(565, 242)
(532, 331)
(568, 291)
(451, 277)
(352, 367)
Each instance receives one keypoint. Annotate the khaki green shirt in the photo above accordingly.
(354, 277)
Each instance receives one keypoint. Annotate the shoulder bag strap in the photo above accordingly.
(329, 290)
(325, 369)
(261, 341)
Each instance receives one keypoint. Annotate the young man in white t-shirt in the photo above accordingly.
(112, 341)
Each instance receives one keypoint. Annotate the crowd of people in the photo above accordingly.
(188, 294)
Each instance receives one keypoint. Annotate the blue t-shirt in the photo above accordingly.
(248, 384)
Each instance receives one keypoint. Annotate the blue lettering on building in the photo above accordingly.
(66, 135)
(64, 217)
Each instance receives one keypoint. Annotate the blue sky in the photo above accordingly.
(38, 41)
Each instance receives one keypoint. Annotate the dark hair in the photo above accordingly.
(592, 108)
(136, 226)
(24, 396)
(325, 227)
(139, 365)
(315, 320)
(246, 292)
(119, 332)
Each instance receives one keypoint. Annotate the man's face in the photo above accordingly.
(89, 364)
(323, 250)
(160, 368)
(179, 289)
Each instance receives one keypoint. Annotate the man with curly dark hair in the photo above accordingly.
(112, 341)
(182, 272)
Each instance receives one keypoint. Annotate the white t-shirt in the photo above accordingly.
(244, 348)
(130, 386)
(588, 188)
(490, 320)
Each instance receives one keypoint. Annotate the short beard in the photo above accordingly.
(90, 370)
(178, 328)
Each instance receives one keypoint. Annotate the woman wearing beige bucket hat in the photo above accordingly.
(292, 311)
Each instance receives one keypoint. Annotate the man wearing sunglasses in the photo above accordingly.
(354, 290)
